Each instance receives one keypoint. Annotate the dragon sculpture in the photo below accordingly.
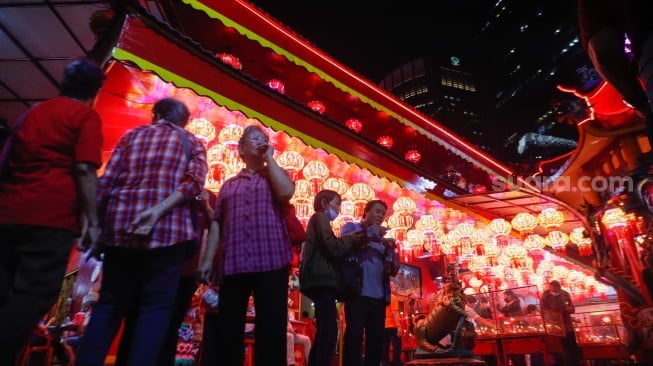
(447, 316)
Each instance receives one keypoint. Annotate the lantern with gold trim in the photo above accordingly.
(500, 230)
(360, 193)
(292, 162)
(550, 218)
(524, 222)
(584, 243)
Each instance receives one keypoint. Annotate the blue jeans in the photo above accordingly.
(185, 290)
(364, 315)
(326, 329)
(33, 262)
(144, 281)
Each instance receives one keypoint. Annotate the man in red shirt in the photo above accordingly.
(52, 184)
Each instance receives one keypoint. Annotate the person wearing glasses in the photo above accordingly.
(249, 227)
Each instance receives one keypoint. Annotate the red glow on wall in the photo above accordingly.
(383, 115)
(409, 131)
(277, 57)
(352, 98)
(479, 189)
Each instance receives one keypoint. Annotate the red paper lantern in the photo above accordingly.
(385, 141)
(317, 106)
(354, 124)
(277, 85)
(413, 156)
(230, 60)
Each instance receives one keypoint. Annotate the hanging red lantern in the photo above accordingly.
(354, 124)
(277, 85)
(317, 106)
(385, 141)
(413, 156)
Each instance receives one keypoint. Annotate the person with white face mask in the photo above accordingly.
(317, 275)
(555, 299)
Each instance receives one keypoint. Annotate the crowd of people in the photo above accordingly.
(141, 220)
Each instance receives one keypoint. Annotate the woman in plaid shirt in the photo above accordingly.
(144, 205)
(257, 254)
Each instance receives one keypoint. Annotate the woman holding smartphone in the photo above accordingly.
(317, 275)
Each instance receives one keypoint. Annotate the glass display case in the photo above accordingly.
(514, 326)
(514, 312)
(598, 328)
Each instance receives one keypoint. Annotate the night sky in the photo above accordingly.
(374, 37)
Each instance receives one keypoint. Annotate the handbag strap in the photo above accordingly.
(5, 150)
(320, 243)
(21, 121)
(186, 144)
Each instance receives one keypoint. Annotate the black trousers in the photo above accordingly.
(33, 262)
(391, 338)
(209, 355)
(270, 290)
(326, 332)
(364, 316)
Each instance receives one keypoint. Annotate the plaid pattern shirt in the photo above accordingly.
(252, 230)
(148, 165)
